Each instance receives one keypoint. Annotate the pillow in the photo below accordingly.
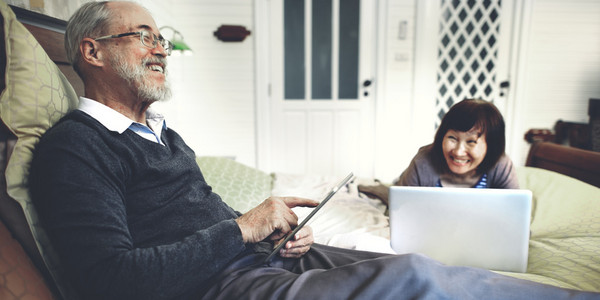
(36, 96)
(240, 186)
(565, 228)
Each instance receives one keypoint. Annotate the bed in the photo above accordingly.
(564, 248)
(39, 87)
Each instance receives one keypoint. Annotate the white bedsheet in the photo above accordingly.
(349, 220)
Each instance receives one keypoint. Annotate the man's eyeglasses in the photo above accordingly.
(147, 38)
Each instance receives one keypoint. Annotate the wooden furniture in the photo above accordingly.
(573, 134)
(574, 162)
(580, 135)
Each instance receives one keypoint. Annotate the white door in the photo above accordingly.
(467, 55)
(321, 87)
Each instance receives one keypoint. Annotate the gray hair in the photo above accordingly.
(90, 20)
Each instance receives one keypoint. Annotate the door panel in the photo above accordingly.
(321, 119)
(467, 55)
(470, 64)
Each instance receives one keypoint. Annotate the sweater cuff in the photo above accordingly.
(234, 234)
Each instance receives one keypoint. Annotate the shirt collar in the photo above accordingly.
(155, 121)
(115, 121)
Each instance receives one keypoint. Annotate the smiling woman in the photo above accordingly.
(468, 151)
(464, 152)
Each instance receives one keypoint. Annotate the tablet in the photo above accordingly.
(312, 213)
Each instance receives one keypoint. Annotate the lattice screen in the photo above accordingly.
(467, 52)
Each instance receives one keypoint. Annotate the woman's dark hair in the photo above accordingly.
(473, 114)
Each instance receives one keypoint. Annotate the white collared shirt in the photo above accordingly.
(115, 121)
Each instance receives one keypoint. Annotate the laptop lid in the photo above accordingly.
(485, 228)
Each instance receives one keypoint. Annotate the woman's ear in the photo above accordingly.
(90, 52)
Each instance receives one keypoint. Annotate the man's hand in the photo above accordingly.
(273, 219)
(299, 245)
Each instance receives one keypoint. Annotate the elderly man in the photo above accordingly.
(131, 217)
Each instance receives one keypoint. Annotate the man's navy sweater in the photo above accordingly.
(129, 218)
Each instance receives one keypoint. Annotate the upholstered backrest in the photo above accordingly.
(35, 95)
(20, 278)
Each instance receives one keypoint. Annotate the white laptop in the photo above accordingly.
(484, 228)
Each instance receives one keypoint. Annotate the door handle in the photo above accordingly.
(366, 84)
(504, 85)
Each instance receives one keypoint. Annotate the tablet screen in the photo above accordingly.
(312, 213)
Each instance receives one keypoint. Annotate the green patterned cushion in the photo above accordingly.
(565, 230)
(36, 96)
(240, 186)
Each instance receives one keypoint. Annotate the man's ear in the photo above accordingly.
(90, 52)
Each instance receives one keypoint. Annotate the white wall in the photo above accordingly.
(213, 90)
(559, 66)
(556, 71)
(213, 108)
(396, 142)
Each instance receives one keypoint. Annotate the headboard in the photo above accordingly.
(574, 162)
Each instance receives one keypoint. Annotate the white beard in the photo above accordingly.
(134, 74)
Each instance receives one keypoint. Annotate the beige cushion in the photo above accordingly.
(36, 96)
(565, 230)
(240, 186)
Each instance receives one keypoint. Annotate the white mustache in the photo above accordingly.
(155, 60)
